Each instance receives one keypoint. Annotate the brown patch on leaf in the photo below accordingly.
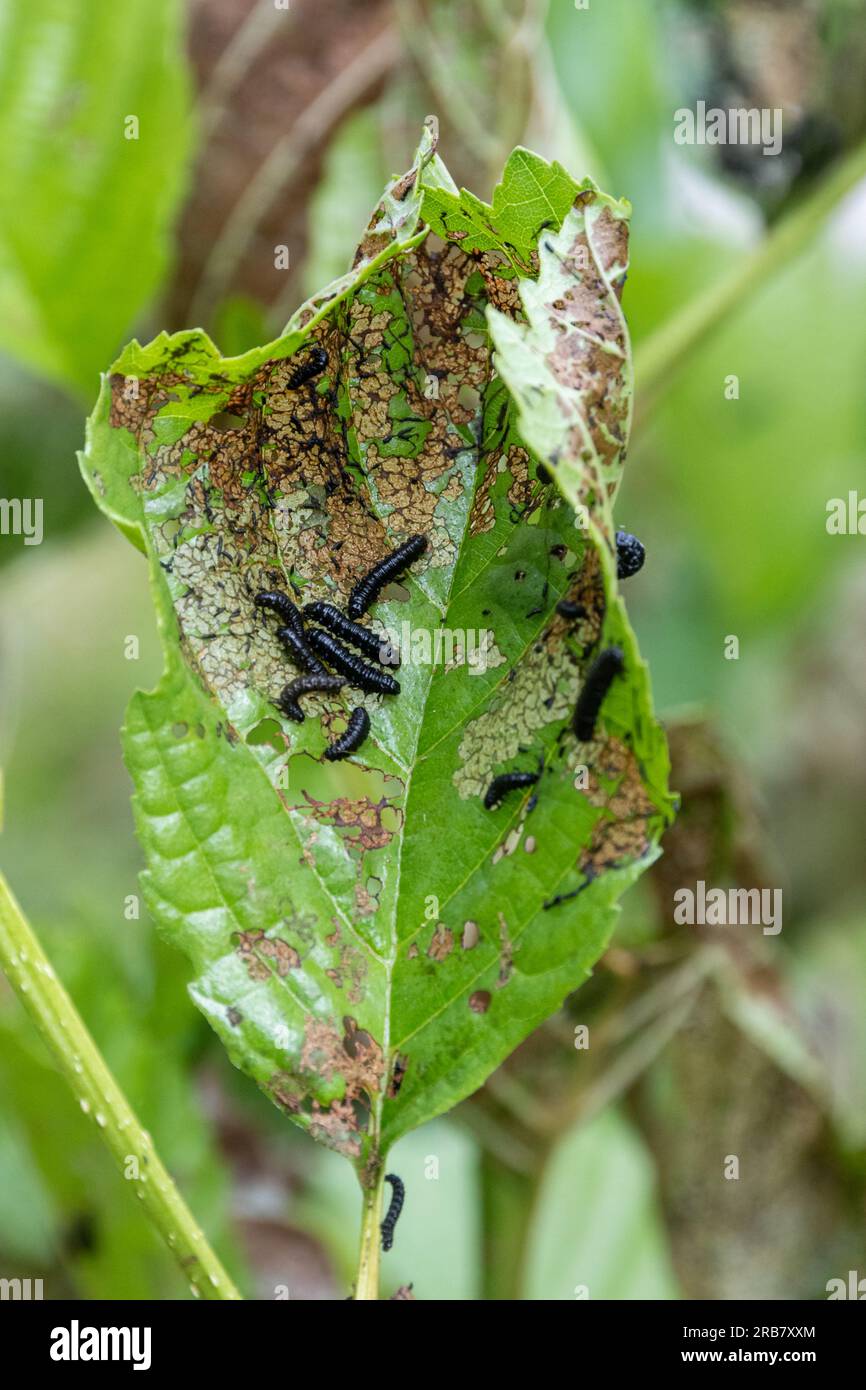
(483, 516)
(398, 1071)
(471, 935)
(506, 964)
(284, 1089)
(351, 1061)
(366, 904)
(442, 942)
(520, 490)
(355, 1055)
(363, 819)
(479, 1002)
(590, 355)
(351, 971)
(253, 945)
(337, 1126)
(623, 832)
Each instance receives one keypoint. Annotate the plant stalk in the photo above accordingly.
(367, 1284)
(29, 972)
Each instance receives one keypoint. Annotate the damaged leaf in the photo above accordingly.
(568, 367)
(369, 940)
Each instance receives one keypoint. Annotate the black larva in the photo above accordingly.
(367, 590)
(357, 730)
(316, 362)
(566, 897)
(393, 1211)
(630, 555)
(304, 685)
(281, 604)
(566, 609)
(366, 641)
(504, 783)
(601, 673)
(300, 652)
(359, 673)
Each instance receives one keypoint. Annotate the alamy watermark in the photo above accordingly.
(852, 1287)
(737, 126)
(450, 647)
(731, 907)
(77, 1343)
(22, 516)
(21, 1290)
(846, 516)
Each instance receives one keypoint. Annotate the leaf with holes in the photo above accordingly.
(367, 937)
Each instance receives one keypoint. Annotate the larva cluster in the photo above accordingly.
(314, 649)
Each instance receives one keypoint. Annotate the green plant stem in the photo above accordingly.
(671, 345)
(367, 1284)
(61, 1026)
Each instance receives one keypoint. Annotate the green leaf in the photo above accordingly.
(598, 1231)
(70, 80)
(368, 940)
(531, 195)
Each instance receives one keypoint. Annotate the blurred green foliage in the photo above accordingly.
(95, 134)
(729, 496)
(68, 843)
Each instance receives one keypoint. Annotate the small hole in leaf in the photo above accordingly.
(224, 420)
(361, 1107)
(180, 730)
(267, 731)
(394, 593)
(311, 781)
(470, 935)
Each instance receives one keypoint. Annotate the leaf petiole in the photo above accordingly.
(367, 1286)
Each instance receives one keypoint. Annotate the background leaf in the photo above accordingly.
(67, 297)
(610, 1243)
